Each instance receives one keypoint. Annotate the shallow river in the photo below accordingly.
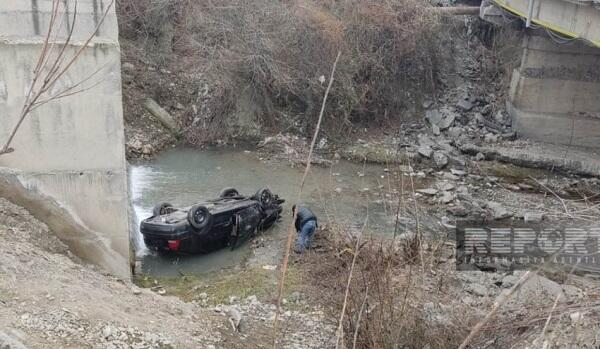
(345, 191)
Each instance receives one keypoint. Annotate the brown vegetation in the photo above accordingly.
(280, 50)
(388, 296)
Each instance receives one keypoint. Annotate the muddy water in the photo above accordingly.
(345, 192)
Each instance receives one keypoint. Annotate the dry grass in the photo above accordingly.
(391, 298)
(279, 51)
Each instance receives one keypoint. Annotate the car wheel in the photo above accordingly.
(199, 217)
(162, 208)
(228, 193)
(264, 198)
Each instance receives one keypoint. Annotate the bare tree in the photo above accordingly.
(52, 64)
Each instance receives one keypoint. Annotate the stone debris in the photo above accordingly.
(447, 197)
(425, 151)
(458, 210)
(454, 132)
(446, 122)
(445, 186)
(434, 117)
(486, 109)
(310, 330)
(464, 105)
(440, 160)
(235, 318)
(440, 120)
(457, 172)
(498, 210)
(428, 191)
(576, 317)
(533, 217)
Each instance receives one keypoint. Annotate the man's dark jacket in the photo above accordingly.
(304, 215)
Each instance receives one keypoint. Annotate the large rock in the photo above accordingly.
(440, 160)
(533, 217)
(425, 151)
(434, 116)
(447, 121)
(428, 191)
(464, 105)
(447, 197)
(499, 211)
(442, 119)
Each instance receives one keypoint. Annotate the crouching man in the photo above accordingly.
(306, 224)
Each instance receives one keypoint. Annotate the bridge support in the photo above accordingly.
(555, 93)
(69, 151)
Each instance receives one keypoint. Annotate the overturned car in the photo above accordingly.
(211, 224)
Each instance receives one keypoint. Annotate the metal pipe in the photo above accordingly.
(457, 11)
(529, 13)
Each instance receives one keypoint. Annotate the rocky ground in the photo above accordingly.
(460, 149)
(49, 299)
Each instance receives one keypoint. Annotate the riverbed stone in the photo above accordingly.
(440, 160)
(447, 121)
(499, 211)
(533, 217)
(464, 105)
(428, 191)
(447, 197)
(434, 116)
(454, 132)
(486, 109)
(425, 150)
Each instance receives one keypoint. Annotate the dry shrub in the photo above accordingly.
(278, 50)
(399, 302)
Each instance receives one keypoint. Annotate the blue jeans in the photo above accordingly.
(305, 235)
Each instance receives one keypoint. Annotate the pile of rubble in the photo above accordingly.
(301, 329)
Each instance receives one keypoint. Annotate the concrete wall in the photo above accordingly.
(71, 150)
(555, 93)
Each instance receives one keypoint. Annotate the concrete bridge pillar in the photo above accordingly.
(69, 153)
(555, 93)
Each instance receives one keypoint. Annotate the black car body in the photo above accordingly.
(211, 224)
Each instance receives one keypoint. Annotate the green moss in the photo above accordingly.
(219, 286)
(373, 153)
(512, 173)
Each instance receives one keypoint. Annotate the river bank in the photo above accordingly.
(49, 297)
(477, 190)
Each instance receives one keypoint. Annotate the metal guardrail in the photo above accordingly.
(528, 17)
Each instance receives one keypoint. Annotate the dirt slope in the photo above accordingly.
(49, 300)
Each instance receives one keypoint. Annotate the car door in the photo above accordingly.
(246, 223)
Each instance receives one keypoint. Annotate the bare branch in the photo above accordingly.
(291, 228)
(57, 68)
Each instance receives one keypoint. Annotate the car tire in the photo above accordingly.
(228, 193)
(199, 217)
(161, 209)
(264, 198)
